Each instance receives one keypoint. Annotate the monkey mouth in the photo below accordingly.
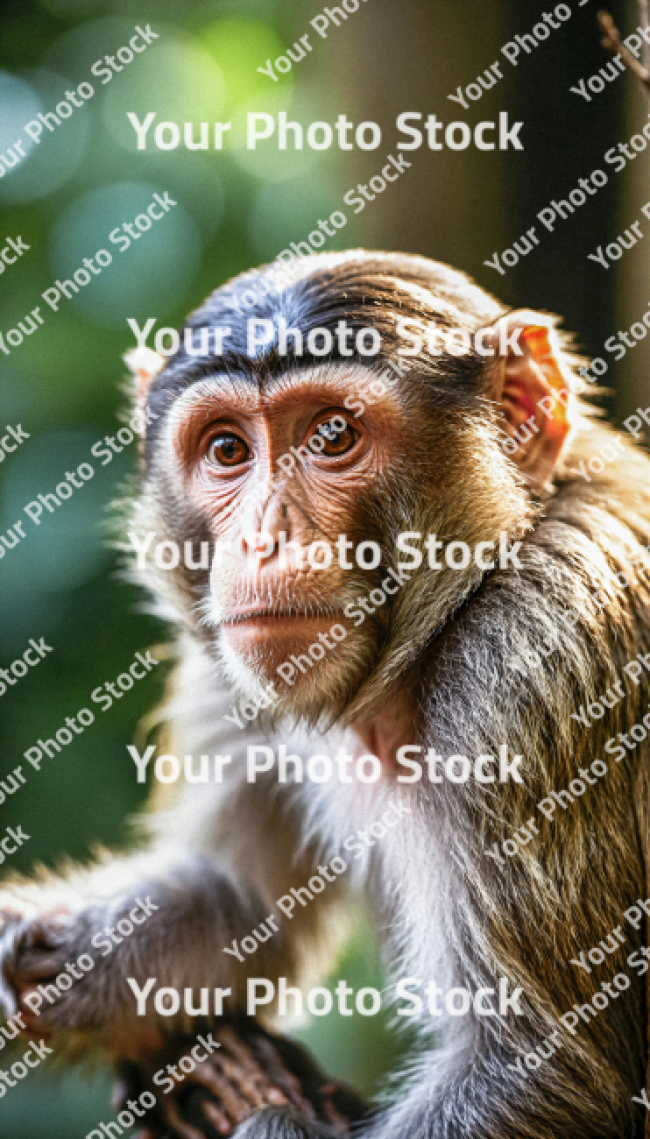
(264, 614)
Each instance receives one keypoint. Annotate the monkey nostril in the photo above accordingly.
(261, 543)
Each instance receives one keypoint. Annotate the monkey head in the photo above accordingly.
(262, 449)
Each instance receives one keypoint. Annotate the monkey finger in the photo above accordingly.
(217, 1118)
(27, 1013)
(266, 1050)
(231, 1101)
(280, 1076)
(37, 952)
(26, 964)
(37, 945)
(254, 1089)
(258, 1090)
(236, 1063)
(15, 910)
(246, 1079)
(48, 931)
(334, 1118)
(276, 1069)
(174, 1118)
(233, 1045)
(275, 1098)
(38, 965)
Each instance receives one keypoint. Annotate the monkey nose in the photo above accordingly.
(257, 540)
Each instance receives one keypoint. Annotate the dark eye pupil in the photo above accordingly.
(227, 451)
(340, 441)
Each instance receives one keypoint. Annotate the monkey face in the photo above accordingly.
(285, 479)
(264, 455)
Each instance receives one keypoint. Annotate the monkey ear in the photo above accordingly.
(144, 364)
(533, 389)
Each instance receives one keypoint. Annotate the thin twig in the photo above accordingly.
(612, 40)
(644, 15)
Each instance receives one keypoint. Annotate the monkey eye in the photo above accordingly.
(227, 450)
(339, 442)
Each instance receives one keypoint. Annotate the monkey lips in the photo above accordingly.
(263, 634)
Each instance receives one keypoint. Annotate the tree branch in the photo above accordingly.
(612, 40)
(644, 14)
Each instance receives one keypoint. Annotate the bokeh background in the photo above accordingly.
(66, 384)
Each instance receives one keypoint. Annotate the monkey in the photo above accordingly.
(475, 888)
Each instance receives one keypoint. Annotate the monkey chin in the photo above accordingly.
(313, 688)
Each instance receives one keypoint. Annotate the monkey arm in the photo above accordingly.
(211, 881)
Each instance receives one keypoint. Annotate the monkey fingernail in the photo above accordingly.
(276, 1097)
(285, 1080)
(217, 1118)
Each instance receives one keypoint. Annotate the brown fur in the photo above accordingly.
(453, 642)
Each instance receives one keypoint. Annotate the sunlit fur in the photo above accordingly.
(454, 644)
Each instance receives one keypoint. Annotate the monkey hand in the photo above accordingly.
(248, 1081)
(32, 943)
(49, 981)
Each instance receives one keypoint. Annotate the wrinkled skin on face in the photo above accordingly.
(270, 605)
